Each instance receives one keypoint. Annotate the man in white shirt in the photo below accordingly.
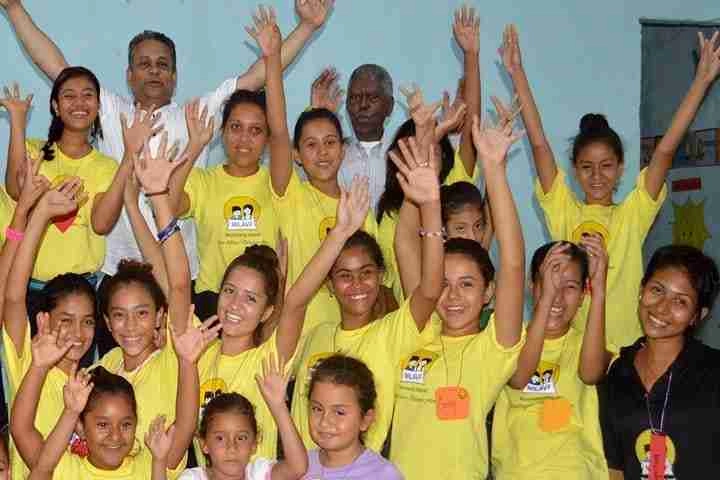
(152, 76)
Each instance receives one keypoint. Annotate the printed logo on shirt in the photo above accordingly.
(242, 213)
(591, 226)
(209, 390)
(544, 379)
(416, 365)
(642, 450)
(326, 225)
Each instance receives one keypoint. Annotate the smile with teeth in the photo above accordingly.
(229, 317)
(656, 322)
(556, 310)
(358, 296)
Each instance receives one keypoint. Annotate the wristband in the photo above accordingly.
(442, 233)
(168, 231)
(161, 192)
(12, 234)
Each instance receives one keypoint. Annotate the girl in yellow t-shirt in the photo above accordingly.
(597, 158)
(439, 395)
(231, 203)
(546, 423)
(67, 303)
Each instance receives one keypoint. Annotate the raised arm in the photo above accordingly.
(267, 34)
(59, 201)
(551, 271)
(325, 91)
(351, 213)
(466, 28)
(492, 145)
(154, 173)
(419, 181)
(541, 151)
(43, 52)
(313, 14)
(706, 73)
(594, 357)
(17, 111)
(273, 387)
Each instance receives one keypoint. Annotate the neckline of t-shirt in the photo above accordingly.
(233, 177)
(67, 157)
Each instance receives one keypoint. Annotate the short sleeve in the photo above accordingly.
(195, 188)
(16, 362)
(611, 443)
(214, 100)
(102, 172)
(259, 469)
(33, 147)
(400, 331)
(291, 192)
(640, 203)
(557, 204)
(501, 361)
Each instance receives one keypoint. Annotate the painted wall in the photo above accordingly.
(580, 56)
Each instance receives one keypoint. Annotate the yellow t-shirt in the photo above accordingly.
(305, 216)
(626, 225)
(7, 209)
(231, 213)
(550, 429)
(51, 403)
(222, 374)
(424, 446)
(70, 244)
(388, 224)
(380, 344)
(135, 467)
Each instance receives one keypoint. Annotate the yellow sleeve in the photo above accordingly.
(17, 363)
(101, 174)
(399, 331)
(458, 172)
(291, 192)
(642, 205)
(559, 205)
(196, 189)
(499, 360)
(33, 147)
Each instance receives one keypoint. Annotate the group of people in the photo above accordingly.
(334, 312)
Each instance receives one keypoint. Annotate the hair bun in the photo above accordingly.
(593, 122)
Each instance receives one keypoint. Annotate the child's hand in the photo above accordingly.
(200, 128)
(510, 50)
(154, 172)
(16, 106)
(466, 28)
(506, 114)
(325, 91)
(552, 268)
(453, 115)
(32, 184)
(190, 344)
(353, 207)
(313, 12)
(49, 345)
(158, 439)
(422, 114)
(273, 382)
(77, 390)
(492, 143)
(593, 244)
(709, 64)
(266, 31)
(144, 126)
(418, 179)
(63, 199)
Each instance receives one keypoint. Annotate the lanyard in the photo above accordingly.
(664, 408)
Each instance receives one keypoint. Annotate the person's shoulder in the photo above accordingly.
(383, 468)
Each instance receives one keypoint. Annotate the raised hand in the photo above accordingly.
(593, 244)
(325, 91)
(273, 382)
(144, 125)
(265, 31)
(154, 172)
(493, 142)
(506, 114)
(15, 105)
(418, 179)
(200, 128)
(158, 439)
(453, 115)
(510, 50)
(77, 390)
(353, 206)
(709, 64)
(313, 13)
(62, 199)
(190, 344)
(48, 346)
(466, 28)
(551, 269)
(32, 184)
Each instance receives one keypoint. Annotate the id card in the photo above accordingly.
(658, 456)
(452, 403)
(555, 414)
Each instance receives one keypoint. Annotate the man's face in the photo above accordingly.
(368, 107)
(151, 75)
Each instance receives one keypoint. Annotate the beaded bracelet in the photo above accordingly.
(12, 234)
(168, 231)
(442, 233)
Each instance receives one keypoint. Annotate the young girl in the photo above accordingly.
(464, 213)
(355, 280)
(306, 210)
(229, 434)
(67, 300)
(231, 203)
(442, 398)
(342, 398)
(662, 394)
(546, 421)
(597, 157)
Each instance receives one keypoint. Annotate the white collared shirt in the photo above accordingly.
(120, 241)
(370, 162)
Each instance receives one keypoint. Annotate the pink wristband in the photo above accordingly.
(12, 234)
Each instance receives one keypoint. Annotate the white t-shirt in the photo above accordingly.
(120, 241)
(259, 469)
